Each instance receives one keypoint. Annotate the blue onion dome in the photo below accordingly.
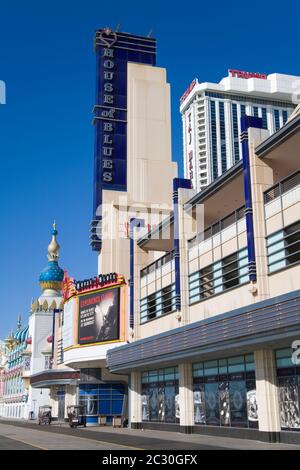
(22, 334)
(52, 276)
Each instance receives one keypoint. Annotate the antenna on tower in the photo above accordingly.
(118, 27)
(150, 33)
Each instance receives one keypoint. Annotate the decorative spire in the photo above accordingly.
(19, 322)
(53, 247)
(51, 277)
(10, 341)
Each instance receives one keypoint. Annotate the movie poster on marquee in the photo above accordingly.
(98, 317)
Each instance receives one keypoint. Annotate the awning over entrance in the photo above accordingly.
(47, 378)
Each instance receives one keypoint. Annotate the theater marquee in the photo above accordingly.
(94, 310)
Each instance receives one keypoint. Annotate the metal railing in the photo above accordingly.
(282, 187)
(228, 220)
(157, 304)
(157, 264)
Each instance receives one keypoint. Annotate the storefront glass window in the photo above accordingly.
(225, 393)
(210, 368)
(102, 399)
(160, 395)
(238, 400)
(212, 411)
(288, 376)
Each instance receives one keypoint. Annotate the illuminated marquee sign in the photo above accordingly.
(71, 287)
(98, 281)
(242, 74)
(94, 309)
(113, 52)
(188, 90)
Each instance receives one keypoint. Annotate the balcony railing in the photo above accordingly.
(218, 228)
(157, 304)
(157, 264)
(285, 185)
(156, 281)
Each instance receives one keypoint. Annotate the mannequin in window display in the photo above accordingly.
(91, 405)
(224, 404)
(161, 405)
(199, 407)
(252, 409)
(153, 404)
(145, 407)
(177, 407)
(289, 407)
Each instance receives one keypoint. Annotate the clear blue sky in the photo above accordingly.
(46, 135)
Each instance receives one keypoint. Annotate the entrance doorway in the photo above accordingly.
(61, 403)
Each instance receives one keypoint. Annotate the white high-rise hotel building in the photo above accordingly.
(211, 115)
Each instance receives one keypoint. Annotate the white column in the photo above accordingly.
(187, 229)
(267, 392)
(134, 397)
(186, 397)
(261, 179)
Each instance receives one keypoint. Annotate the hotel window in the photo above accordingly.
(225, 392)
(264, 118)
(213, 124)
(236, 145)
(276, 119)
(243, 110)
(255, 111)
(288, 378)
(160, 395)
(47, 364)
(284, 116)
(223, 137)
(283, 247)
(249, 99)
(158, 303)
(227, 273)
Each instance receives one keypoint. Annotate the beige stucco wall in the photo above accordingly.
(150, 170)
(284, 281)
(158, 325)
(225, 302)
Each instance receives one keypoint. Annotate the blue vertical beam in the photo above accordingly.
(246, 122)
(177, 184)
(113, 50)
(134, 223)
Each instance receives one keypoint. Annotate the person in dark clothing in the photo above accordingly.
(109, 328)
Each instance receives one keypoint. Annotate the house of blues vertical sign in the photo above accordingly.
(113, 51)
